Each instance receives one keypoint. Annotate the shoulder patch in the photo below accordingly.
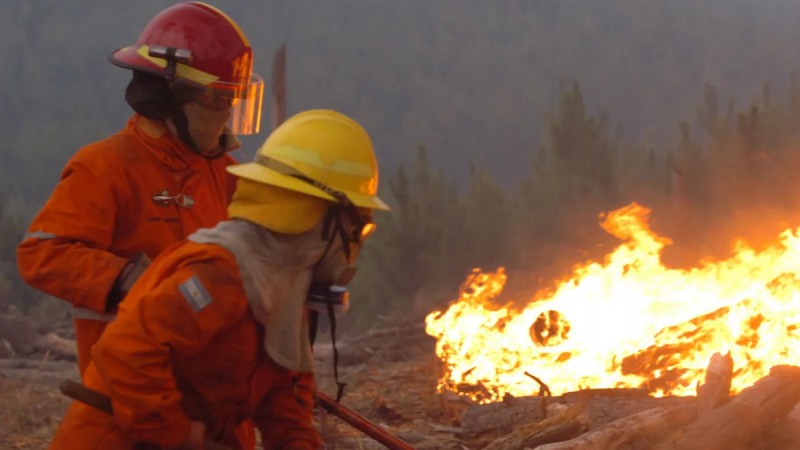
(194, 293)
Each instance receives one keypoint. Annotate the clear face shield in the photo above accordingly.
(242, 100)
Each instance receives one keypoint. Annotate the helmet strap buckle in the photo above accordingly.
(172, 56)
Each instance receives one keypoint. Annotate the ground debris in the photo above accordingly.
(393, 383)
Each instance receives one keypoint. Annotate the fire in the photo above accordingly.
(626, 322)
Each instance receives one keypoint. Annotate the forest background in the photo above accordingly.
(503, 128)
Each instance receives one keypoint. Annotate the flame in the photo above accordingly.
(626, 322)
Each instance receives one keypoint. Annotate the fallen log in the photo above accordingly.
(500, 418)
(637, 428)
(32, 370)
(739, 424)
(6, 351)
(386, 345)
(35, 364)
(39, 377)
(785, 434)
(56, 345)
(438, 443)
(18, 332)
(563, 425)
(482, 423)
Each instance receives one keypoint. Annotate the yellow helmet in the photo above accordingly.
(321, 153)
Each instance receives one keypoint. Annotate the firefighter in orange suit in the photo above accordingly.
(124, 199)
(216, 330)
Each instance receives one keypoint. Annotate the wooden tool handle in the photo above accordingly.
(102, 403)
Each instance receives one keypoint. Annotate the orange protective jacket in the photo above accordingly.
(102, 213)
(185, 346)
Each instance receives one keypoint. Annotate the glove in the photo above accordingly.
(126, 279)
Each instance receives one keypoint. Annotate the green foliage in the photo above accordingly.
(418, 245)
(487, 222)
(580, 149)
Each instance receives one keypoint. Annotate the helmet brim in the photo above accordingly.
(129, 58)
(367, 201)
(257, 172)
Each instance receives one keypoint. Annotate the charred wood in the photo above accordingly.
(638, 429)
(717, 387)
(666, 357)
(500, 418)
(741, 423)
(601, 406)
(606, 408)
(563, 425)
(785, 434)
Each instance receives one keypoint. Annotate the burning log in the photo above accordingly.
(741, 422)
(665, 356)
(636, 428)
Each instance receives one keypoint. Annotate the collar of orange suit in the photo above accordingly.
(167, 147)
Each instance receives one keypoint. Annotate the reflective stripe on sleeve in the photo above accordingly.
(38, 235)
(88, 314)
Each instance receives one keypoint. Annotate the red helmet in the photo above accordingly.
(198, 44)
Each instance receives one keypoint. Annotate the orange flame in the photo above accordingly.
(627, 322)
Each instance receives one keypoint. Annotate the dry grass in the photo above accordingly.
(29, 414)
(399, 396)
(396, 391)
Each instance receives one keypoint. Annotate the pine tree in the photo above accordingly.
(420, 243)
(581, 149)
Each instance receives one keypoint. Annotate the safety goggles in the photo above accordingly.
(361, 225)
(216, 101)
(367, 228)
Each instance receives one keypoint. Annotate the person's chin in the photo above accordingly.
(209, 149)
(210, 152)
